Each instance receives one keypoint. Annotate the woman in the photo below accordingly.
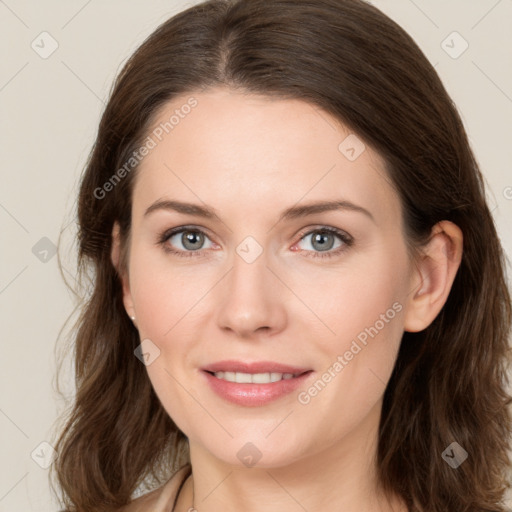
(299, 297)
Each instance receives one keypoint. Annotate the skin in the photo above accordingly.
(250, 157)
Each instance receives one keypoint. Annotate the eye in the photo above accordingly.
(191, 240)
(323, 240)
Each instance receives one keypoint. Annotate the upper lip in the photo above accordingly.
(253, 367)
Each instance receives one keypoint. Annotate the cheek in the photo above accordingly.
(164, 300)
(164, 292)
(363, 308)
(358, 359)
(360, 301)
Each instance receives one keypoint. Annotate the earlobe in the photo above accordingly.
(115, 255)
(434, 276)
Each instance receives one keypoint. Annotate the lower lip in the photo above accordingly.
(253, 395)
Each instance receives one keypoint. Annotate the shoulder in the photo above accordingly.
(158, 500)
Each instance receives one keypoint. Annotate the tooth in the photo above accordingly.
(254, 378)
(261, 378)
(243, 378)
(229, 376)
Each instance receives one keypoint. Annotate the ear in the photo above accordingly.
(433, 276)
(115, 255)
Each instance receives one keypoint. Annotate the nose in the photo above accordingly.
(249, 299)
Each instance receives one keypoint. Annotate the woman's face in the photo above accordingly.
(251, 284)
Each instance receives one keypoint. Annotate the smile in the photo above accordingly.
(254, 389)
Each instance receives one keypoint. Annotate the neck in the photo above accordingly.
(341, 477)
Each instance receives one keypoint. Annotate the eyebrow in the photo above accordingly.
(293, 212)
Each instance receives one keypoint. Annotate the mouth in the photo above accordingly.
(254, 384)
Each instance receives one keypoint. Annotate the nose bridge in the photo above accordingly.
(249, 278)
(250, 295)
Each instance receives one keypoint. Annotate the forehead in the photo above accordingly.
(233, 149)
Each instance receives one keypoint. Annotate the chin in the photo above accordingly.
(255, 452)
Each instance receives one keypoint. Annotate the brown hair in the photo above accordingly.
(450, 380)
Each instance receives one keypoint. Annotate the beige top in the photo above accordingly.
(162, 499)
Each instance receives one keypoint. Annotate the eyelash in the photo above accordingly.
(346, 239)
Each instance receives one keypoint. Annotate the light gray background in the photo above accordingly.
(50, 112)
